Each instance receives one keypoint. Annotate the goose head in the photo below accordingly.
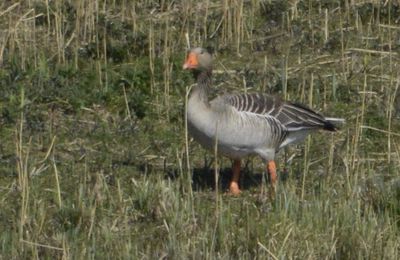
(198, 59)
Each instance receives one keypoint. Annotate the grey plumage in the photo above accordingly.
(246, 124)
(291, 115)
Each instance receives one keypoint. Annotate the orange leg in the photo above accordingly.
(271, 167)
(234, 184)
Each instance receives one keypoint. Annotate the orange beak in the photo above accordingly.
(191, 61)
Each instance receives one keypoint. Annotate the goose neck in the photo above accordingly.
(203, 85)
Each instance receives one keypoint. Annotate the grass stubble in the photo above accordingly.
(96, 162)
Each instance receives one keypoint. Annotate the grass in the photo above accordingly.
(94, 162)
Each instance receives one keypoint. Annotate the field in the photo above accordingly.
(95, 162)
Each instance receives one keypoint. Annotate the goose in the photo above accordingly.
(245, 124)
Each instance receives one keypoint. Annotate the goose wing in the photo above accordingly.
(294, 117)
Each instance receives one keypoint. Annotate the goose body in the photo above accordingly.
(238, 133)
(245, 124)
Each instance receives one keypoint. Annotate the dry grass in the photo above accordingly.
(95, 161)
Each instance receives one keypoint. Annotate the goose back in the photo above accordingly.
(295, 117)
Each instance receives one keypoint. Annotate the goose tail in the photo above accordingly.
(333, 124)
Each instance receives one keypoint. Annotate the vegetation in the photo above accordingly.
(94, 161)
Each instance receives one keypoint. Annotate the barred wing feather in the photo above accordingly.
(294, 117)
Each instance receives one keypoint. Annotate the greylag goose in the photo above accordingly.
(245, 124)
